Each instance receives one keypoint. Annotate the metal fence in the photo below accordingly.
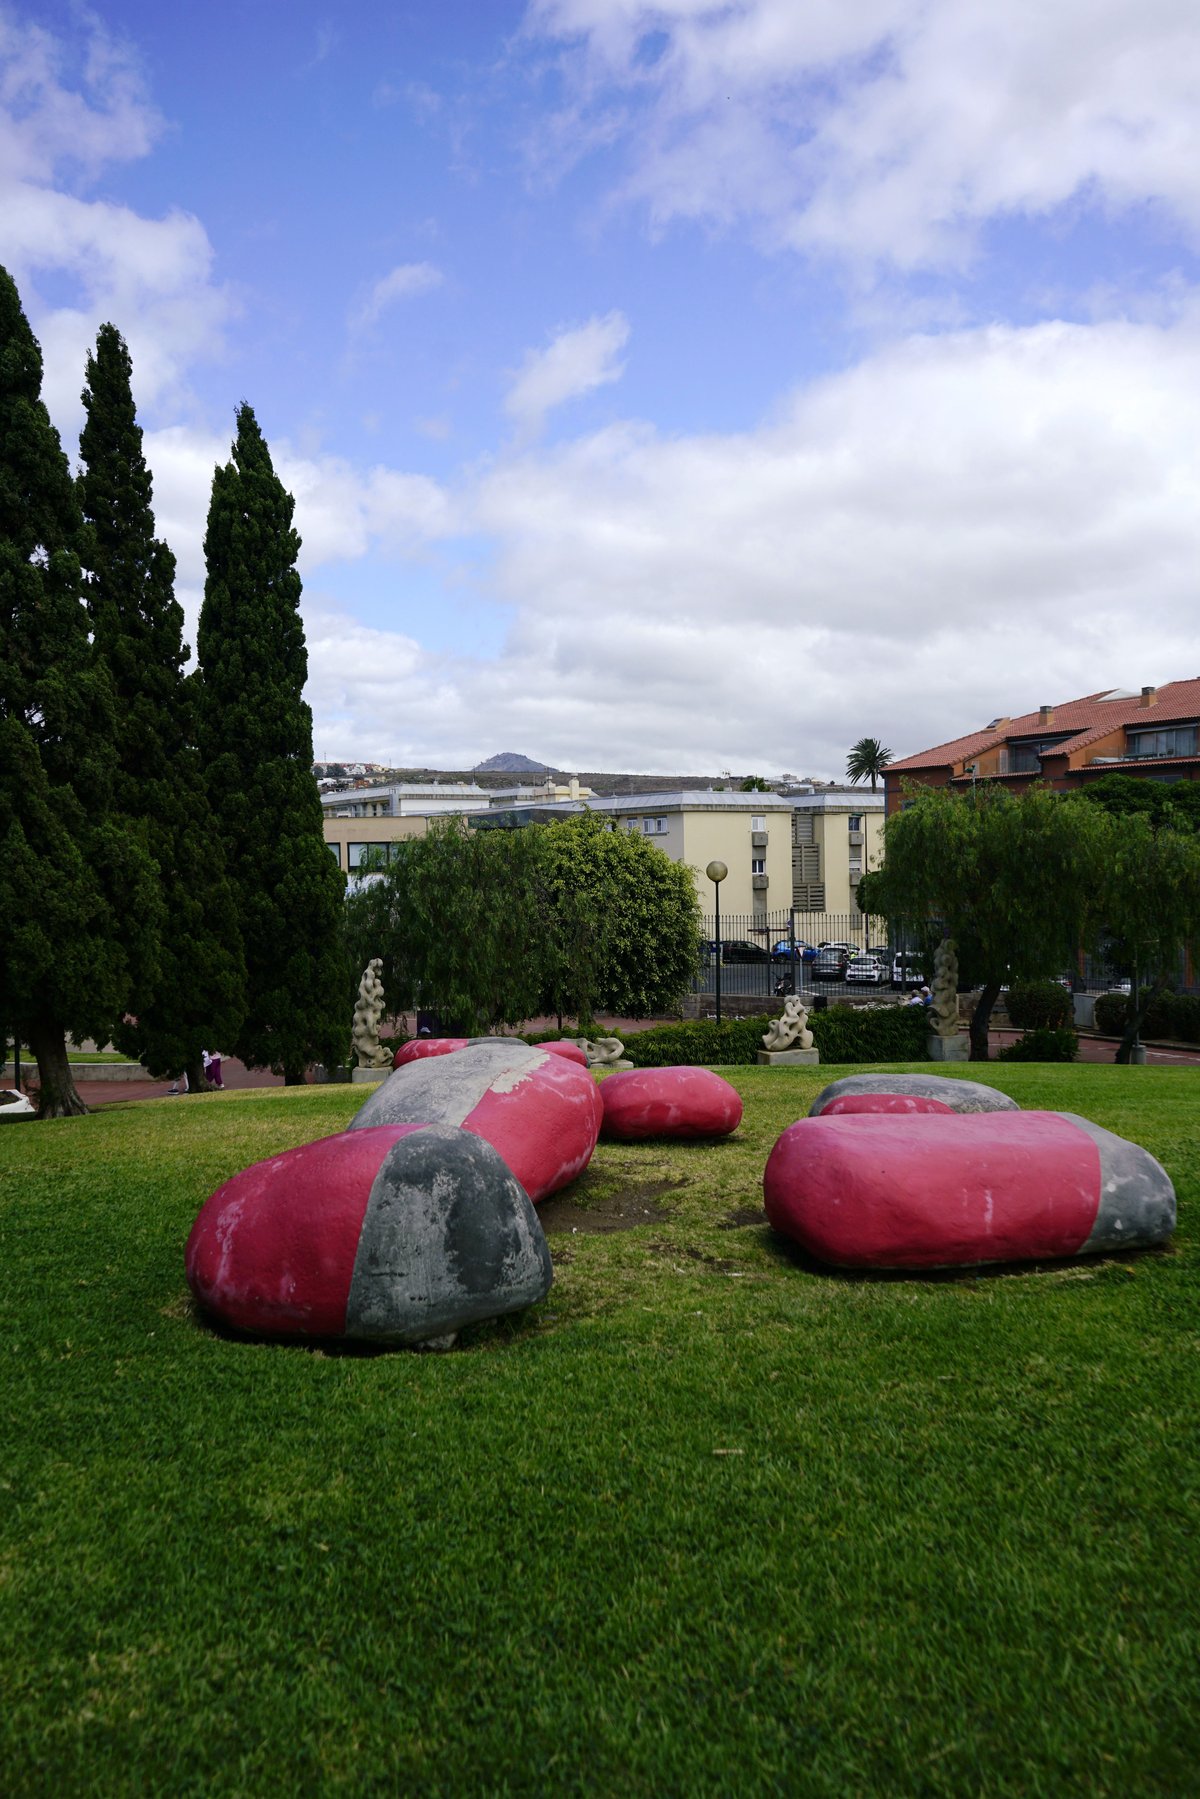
(765, 954)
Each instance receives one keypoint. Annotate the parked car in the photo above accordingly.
(831, 961)
(805, 952)
(907, 969)
(740, 949)
(867, 967)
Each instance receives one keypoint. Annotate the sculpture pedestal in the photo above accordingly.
(949, 1049)
(369, 1074)
(788, 1058)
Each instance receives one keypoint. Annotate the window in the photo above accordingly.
(758, 822)
(654, 827)
(631, 824)
(1177, 740)
(856, 821)
(335, 850)
(378, 853)
(758, 865)
(1025, 758)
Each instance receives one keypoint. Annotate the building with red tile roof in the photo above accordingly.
(1152, 734)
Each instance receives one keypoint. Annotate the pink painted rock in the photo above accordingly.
(571, 1051)
(669, 1102)
(955, 1095)
(541, 1112)
(928, 1191)
(904, 1103)
(420, 1047)
(393, 1235)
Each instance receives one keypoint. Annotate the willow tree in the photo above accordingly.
(197, 997)
(255, 734)
(78, 895)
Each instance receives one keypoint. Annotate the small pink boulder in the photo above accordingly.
(885, 1102)
(571, 1052)
(420, 1047)
(669, 1102)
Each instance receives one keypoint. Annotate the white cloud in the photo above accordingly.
(957, 527)
(61, 124)
(401, 283)
(575, 362)
(883, 130)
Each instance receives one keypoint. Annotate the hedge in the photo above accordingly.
(1174, 1015)
(1039, 1005)
(1041, 1046)
(840, 1033)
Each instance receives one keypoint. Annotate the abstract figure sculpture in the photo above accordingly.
(791, 1031)
(604, 1052)
(368, 1013)
(944, 1010)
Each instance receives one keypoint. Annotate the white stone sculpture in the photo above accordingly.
(943, 1013)
(604, 1052)
(368, 1012)
(791, 1031)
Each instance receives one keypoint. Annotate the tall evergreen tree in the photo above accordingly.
(256, 736)
(78, 896)
(198, 998)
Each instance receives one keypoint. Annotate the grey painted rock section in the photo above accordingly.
(1137, 1199)
(450, 1237)
(960, 1096)
(444, 1089)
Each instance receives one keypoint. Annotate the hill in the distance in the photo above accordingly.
(509, 763)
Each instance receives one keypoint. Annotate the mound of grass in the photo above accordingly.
(708, 1520)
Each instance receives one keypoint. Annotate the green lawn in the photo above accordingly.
(706, 1521)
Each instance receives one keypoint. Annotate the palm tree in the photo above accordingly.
(867, 758)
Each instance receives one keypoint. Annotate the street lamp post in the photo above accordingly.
(716, 872)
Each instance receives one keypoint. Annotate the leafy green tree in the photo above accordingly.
(197, 998)
(1018, 880)
(1151, 905)
(866, 762)
(754, 784)
(78, 895)
(255, 735)
(1173, 804)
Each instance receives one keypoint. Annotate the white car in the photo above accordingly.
(866, 967)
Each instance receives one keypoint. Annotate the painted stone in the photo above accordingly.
(904, 1103)
(541, 1112)
(929, 1191)
(956, 1096)
(669, 1102)
(420, 1047)
(394, 1235)
(571, 1052)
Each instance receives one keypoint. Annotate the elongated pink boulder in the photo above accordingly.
(669, 1102)
(928, 1191)
(955, 1095)
(420, 1047)
(571, 1051)
(903, 1103)
(541, 1112)
(394, 1235)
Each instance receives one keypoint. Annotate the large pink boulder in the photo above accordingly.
(955, 1095)
(929, 1191)
(669, 1102)
(396, 1235)
(419, 1047)
(541, 1112)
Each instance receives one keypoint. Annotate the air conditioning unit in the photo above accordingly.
(856, 836)
(759, 882)
(758, 840)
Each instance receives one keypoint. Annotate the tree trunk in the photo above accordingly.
(293, 1074)
(981, 1019)
(196, 1081)
(1135, 1021)
(58, 1098)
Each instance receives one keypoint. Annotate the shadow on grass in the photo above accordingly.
(790, 1255)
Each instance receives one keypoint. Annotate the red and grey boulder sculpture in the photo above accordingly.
(393, 1235)
(955, 1096)
(419, 1047)
(541, 1112)
(669, 1102)
(570, 1051)
(929, 1191)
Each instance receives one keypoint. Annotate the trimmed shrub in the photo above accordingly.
(1039, 1005)
(1174, 1015)
(1112, 1013)
(841, 1033)
(1041, 1046)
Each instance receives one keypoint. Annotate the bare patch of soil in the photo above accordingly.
(744, 1216)
(622, 1214)
(717, 1264)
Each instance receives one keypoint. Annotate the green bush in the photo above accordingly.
(1039, 1005)
(1173, 1015)
(1041, 1046)
(841, 1033)
(1112, 1013)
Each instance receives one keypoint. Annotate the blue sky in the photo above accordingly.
(683, 386)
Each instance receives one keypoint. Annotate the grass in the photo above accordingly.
(706, 1521)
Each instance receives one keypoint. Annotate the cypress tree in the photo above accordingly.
(256, 737)
(78, 897)
(198, 997)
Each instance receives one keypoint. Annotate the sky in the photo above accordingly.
(684, 387)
